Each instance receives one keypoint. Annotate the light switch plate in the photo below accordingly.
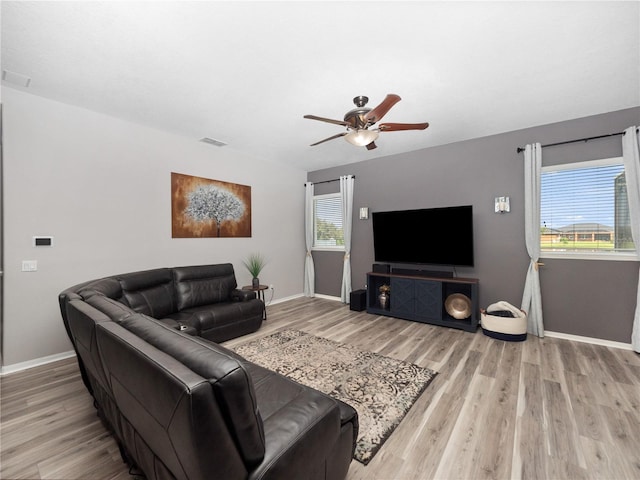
(29, 265)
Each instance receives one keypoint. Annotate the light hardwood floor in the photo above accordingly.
(540, 409)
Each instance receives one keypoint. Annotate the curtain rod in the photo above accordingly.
(329, 181)
(521, 149)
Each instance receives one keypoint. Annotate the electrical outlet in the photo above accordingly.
(271, 286)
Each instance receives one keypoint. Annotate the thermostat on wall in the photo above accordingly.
(40, 241)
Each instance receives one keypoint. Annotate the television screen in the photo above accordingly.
(437, 236)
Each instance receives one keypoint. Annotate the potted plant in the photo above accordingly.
(255, 263)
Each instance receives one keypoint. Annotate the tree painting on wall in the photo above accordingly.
(201, 207)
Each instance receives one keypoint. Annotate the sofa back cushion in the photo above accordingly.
(203, 284)
(149, 292)
(169, 409)
(109, 287)
(231, 384)
(115, 310)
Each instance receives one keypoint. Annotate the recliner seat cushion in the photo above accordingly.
(203, 284)
(211, 317)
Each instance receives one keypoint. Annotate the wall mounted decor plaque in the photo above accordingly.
(201, 207)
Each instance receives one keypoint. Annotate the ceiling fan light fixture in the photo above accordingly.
(361, 137)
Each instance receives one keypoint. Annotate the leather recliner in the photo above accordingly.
(182, 406)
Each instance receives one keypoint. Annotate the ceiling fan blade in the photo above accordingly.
(392, 127)
(328, 120)
(380, 111)
(371, 146)
(329, 138)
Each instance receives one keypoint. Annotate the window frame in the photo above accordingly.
(325, 248)
(612, 256)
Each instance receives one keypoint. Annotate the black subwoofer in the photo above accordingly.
(358, 300)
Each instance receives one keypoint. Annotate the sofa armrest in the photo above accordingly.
(238, 295)
(300, 439)
(307, 433)
(349, 420)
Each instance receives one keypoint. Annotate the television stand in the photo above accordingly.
(421, 298)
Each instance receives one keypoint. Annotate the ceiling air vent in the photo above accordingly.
(213, 141)
(16, 78)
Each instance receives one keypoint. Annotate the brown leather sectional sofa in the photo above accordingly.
(182, 406)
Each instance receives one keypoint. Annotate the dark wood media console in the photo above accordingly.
(422, 298)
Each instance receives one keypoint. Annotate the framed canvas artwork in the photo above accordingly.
(201, 207)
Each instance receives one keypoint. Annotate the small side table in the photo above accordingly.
(260, 292)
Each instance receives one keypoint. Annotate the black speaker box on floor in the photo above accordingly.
(358, 300)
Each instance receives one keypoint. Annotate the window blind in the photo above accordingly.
(584, 208)
(328, 221)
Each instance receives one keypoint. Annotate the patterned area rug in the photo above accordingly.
(380, 388)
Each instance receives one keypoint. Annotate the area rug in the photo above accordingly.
(381, 389)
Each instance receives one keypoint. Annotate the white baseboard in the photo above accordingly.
(18, 367)
(328, 297)
(565, 336)
(284, 299)
(594, 341)
(300, 295)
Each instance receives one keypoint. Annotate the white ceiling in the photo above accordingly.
(245, 73)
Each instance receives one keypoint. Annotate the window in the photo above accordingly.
(327, 222)
(584, 211)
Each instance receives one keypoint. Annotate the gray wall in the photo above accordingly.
(101, 186)
(581, 297)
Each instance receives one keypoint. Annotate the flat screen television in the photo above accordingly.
(436, 236)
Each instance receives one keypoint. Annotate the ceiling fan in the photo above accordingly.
(359, 120)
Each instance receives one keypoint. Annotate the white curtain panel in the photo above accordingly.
(346, 192)
(532, 298)
(309, 269)
(631, 159)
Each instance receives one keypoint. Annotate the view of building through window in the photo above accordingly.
(584, 208)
